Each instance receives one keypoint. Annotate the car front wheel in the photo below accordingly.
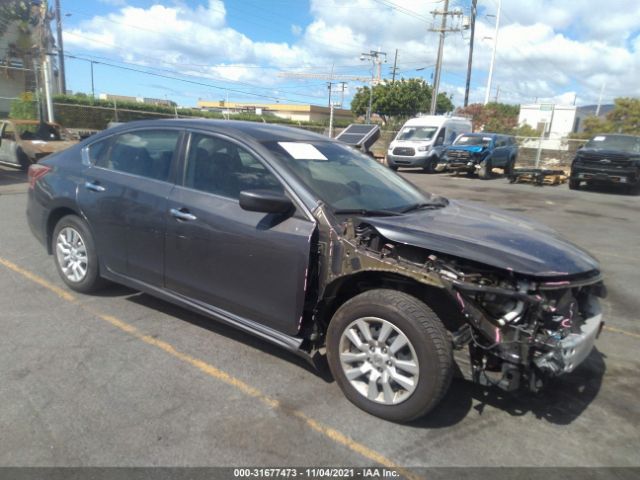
(574, 184)
(75, 255)
(486, 169)
(390, 354)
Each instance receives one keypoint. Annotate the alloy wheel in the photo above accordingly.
(71, 253)
(379, 360)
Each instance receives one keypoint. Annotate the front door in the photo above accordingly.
(252, 265)
(125, 198)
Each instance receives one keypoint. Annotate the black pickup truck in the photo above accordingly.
(608, 159)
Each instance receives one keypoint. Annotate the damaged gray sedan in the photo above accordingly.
(319, 249)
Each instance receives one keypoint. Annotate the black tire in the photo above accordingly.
(91, 281)
(393, 167)
(23, 160)
(574, 184)
(508, 169)
(427, 336)
(430, 165)
(486, 169)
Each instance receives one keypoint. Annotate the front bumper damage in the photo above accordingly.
(513, 332)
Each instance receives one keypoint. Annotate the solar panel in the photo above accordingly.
(359, 135)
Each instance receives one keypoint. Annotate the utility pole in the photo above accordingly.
(600, 99)
(46, 71)
(93, 91)
(474, 11)
(62, 81)
(497, 93)
(442, 30)
(493, 54)
(395, 68)
(375, 56)
(343, 85)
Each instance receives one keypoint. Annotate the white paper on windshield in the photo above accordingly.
(599, 138)
(486, 139)
(38, 142)
(302, 151)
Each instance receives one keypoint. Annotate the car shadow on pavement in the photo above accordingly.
(560, 402)
(12, 176)
(319, 369)
(606, 189)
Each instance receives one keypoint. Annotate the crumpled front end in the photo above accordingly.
(521, 331)
(510, 330)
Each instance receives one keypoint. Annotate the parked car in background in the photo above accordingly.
(24, 142)
(314, 246)
(479, 153)
(421, 141)
(608, 159)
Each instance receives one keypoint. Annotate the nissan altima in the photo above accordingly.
(314, 246)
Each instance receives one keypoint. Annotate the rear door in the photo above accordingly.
(252, 265)
(499, 156)
(124, 197)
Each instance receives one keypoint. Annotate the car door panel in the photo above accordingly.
(127, 208)
(248, 263)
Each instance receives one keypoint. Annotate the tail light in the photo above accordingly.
(36, 172)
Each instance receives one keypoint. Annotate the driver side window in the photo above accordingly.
(219, 166)
(440, 137)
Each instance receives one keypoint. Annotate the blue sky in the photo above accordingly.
(548, 50)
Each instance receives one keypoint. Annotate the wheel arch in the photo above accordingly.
(52, 220)
(343, 289)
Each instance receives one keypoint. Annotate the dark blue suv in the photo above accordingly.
(480, 153)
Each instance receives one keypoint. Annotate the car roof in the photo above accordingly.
(258, 131)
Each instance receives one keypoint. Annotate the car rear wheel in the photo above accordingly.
(430, 165)
(75, 255)
(508, 169)
(390, 354)
(23, 160)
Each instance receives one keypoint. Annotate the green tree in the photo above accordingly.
(403, 98)
(624, 118)
(492, 117)
(24, 107)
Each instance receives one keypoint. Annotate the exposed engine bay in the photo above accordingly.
(515, 331)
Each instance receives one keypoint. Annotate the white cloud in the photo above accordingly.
(551, 49)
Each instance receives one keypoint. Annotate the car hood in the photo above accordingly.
(40, 146)
(488, 236)
(470, 148)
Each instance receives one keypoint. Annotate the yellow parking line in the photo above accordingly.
(622, 332)
(208, 369)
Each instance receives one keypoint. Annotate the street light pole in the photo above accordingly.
(474, 11)
(493, 54)
(62, 81)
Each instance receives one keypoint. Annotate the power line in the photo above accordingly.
(218, 87)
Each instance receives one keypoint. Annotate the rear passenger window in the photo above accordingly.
(216, 165)
(147, 153)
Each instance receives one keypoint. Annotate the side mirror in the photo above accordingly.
(266, 201)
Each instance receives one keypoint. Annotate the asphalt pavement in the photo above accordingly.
(123, 379)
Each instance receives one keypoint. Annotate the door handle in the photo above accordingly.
(182, 214)
(94, 187)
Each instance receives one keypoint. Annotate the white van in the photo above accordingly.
(421, 141)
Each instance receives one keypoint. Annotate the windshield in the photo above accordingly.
(417, 133)
(469, 140)
(615, 142)
(346, 179)
(38, 131)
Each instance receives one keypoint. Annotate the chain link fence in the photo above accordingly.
(83, 120)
